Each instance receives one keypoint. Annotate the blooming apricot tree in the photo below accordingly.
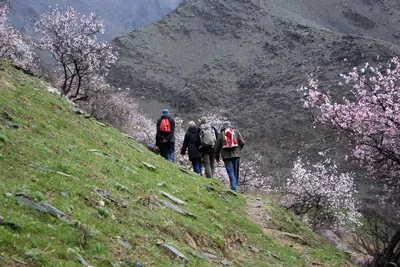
(251, 178)
(124, 112)
(321, 193)
(370, 117)
(72, 40)
(12, 43)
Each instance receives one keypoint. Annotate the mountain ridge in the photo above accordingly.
(120, 16)
(248, 59)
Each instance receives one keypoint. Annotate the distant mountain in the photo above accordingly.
(120, 16)
(249, 57)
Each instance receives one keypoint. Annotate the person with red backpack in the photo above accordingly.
(229, 146)
(165, 137)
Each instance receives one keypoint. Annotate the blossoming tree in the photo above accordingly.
(72, 41)
(370, 116)
(321, 193)
(12, 43)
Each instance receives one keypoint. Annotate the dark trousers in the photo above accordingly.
(167, 150)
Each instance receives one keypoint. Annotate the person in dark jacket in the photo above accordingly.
(207, 153)
(189, 143)
(165, 138)
(230, 156)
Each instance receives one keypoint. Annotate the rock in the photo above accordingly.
(123, 188)
(162, 184)
(230, 192)
(53, 90)
(101, 203)
(78, 111)
(52, 210)
(101, 124)
(30, 203)
(225, 262)
(123, 243)
(209, 255)
(174, 199)
(20, 261)
(66, 175)
(108, 198)
(185, 171)
(64, 194)
(12, 225)
(175, 251)
(7, 120)
(254, 249)
(129, 169)
(134, 147)
(148, 166)
(194, 254)
(175, 208)
(296, 237)
(7, 194)
(129, 136)
(209, 188)
(43, 207)
(82, 260)
(267, 217)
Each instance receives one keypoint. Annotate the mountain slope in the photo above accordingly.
(120, 16)
(115, 210)
(249, 58)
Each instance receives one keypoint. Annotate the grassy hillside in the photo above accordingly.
(115, 212)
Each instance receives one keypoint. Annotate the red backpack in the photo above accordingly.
(165, 126)
(229, 140)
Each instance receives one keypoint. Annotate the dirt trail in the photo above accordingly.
(259, 212)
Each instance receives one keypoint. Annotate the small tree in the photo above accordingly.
(370, 118)
(122, 111)
(12, 43)
(72, 41)
(251, 179)
(321, 193)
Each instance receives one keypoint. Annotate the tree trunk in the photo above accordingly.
(392, 251)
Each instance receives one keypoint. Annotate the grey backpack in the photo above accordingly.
(207, 135)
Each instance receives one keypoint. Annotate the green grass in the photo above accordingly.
(50, 154)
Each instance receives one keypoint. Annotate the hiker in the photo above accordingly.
(165, 137)
(208, 135)
(189, 143)
(229, 145)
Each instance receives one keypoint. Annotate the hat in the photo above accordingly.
(203, 120)
(165, 112)
(226, 124)
(191, 124)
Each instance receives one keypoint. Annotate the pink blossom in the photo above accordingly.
(72, 40)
